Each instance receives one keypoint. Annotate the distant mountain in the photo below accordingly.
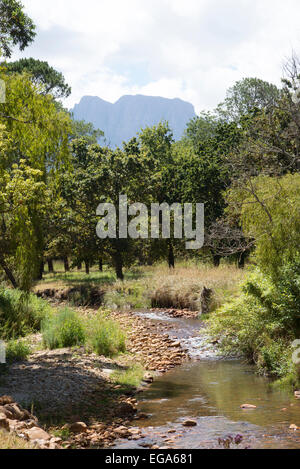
(121, 121)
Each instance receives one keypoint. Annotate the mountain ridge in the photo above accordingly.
(122, 120)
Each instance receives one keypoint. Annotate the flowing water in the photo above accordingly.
(211, 391)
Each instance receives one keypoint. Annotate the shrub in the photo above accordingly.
(263, 322)
(105, 336)
(20, 313)
(63, 329)
(17, 350)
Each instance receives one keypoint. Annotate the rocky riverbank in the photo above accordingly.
(71, 392)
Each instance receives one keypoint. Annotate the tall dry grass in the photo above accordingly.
(160, 287)
(11, 441)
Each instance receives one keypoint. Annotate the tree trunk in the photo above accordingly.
(41, 271)
(87, 267)
(101, 265)
(79, 267)
(171, 258)
(242, 260)
(217, 260)
(66, 264)
(119, 267)
(50, 266)
(8, 273)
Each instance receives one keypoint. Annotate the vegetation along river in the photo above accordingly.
(210, 390)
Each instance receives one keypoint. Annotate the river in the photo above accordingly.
(210, 390)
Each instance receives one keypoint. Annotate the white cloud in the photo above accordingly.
(191, 49)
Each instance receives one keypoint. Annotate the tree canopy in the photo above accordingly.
(43, 75)
(16, 28)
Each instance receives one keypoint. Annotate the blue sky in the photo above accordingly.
(189, 49)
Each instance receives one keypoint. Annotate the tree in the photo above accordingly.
(202, 177)
(269, 211)
(34, 149)
(43, 75)
(24, 203)
(201, 129)
(39, 132)
(247, 95)
(16, 28)
(86, 130)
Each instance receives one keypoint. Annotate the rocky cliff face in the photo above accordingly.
(121, 121)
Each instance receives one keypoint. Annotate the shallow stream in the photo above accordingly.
(211, 391)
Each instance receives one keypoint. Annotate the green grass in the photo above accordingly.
(66, 328)
(76, 277)
(63, 329)
(17, 350)
(130, 377)
(105, 336)
(20, 314)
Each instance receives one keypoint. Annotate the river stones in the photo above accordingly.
(190, 423)
(77, 427)
(248, 406)
(36, 433)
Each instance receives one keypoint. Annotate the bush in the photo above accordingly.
(20, 313)
(16, 350)
(64, 329)
(105, 336)
(263, 322)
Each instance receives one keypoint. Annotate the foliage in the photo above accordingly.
(20, 314)
(263, 321)
(38, 130)
(24, 200)
(131, 376)
(43, 75)
(86, 130)
(16, 28)
(34, 148)
(17, 350)
(247, 95)
(64, 329)
(269, 210)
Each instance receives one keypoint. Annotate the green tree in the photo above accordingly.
(16, 28)
(43, 75)
(34, 149)
(247, 95)
(269, 210)
(24, 204)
